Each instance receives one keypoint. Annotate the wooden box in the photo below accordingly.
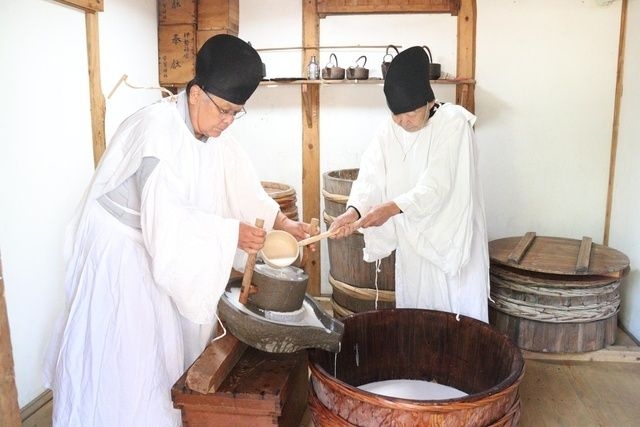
(219, 14)
(177, 53)
(204, 35)
(176, 12)
(263, 389)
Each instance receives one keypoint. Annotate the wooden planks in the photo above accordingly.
(613, 353)
(579, 394)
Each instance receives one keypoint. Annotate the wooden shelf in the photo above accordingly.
(357, 82)
(312, 12)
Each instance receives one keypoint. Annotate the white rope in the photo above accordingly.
(124, 78)
(375, 304)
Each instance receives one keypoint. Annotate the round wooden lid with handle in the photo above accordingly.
(558, 255)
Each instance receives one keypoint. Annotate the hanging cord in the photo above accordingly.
(124, 78)
(378, 262)
(224, 330)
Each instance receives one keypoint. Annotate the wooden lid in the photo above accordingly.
(558, 255)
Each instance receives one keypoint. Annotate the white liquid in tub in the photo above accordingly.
(413, 389)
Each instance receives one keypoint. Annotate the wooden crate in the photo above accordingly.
(177, 53)
(204, 35)
(262, 389)
(176, 12)
(219, 15)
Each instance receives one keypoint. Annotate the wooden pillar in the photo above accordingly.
(96, 98)
(9, 409)
(466, 63)
(311, 138)
(95, 87)
(616, 121)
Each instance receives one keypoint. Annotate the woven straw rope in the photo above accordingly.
(554, 314)
(365, 293)
(338, 198)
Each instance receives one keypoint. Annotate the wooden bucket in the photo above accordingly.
(423, 345)
(554, 294)
(285, 195)
(356, 285)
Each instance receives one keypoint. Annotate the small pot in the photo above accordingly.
(278, 289)
(358, 72)
(386, 60)
(434, 69)
(331, 71)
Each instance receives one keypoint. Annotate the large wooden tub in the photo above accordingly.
(417, 345)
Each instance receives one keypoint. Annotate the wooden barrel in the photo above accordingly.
(285, 195)
(555, 295)
(357, 285)
(416, 344)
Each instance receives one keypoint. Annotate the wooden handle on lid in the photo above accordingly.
(521, 248)
(584, 254)
(245, 290)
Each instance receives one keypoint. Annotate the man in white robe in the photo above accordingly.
(171, 205)
(418, 192)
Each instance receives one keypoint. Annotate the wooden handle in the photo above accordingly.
(313, 230)
(521, 248)
(245, 290)
(315, 238)
(584, 253)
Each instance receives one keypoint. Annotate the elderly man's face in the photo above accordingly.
(413, 121)
(211, 115)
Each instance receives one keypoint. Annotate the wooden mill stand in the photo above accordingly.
(231, 384)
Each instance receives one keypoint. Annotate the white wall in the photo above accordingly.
(46, 157)
(544, 100)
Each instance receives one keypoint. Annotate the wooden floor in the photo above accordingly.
(554, 393)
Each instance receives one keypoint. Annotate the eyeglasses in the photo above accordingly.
(233, 114)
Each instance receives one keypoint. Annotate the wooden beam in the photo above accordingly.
(86, 5)
(616, 121)
(340, 7)
(614, 353)
(310, 94)
(466, 61)
(214, 364)
(95, 87)
(9, 409)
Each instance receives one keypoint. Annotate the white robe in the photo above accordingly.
(142, 302)
(442, 260)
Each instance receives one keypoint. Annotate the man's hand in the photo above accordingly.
(345, 224)
(379, 214)
(250, 238)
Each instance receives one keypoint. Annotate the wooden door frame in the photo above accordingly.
(96, 98)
